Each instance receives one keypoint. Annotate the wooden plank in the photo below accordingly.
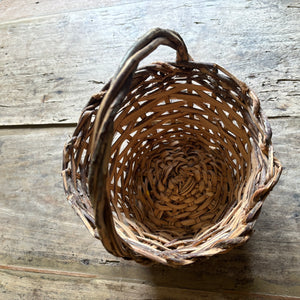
(42, 231)
(23, 285)
(15, 11)
(51, 74)
(32, 200)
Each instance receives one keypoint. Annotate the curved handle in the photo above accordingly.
(120, 83)
(152, 39)
(118, 88)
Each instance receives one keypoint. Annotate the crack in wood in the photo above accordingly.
(288, 79)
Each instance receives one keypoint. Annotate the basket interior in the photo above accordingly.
(180, 155)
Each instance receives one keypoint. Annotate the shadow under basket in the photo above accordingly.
(170, 162)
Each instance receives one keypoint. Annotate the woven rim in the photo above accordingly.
(186, 164)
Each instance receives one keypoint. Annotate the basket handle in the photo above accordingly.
(118, 88)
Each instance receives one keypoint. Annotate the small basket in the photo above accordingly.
(170, 162)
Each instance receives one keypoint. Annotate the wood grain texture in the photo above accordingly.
(18, 11)
(51, 73)
(31, 286)
(43, 232)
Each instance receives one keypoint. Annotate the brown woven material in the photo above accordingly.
(170, 162)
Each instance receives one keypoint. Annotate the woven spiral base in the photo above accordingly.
(180, 191)
(188, 164)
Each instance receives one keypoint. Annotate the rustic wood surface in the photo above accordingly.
(52, 59)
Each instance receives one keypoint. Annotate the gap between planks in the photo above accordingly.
(73, 124)
(38, 126)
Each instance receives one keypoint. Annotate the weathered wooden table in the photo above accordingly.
(53, 57)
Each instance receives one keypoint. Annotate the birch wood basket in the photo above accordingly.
(170, 162)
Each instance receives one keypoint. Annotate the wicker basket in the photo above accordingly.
(170, 162)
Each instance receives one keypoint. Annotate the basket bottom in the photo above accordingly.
(180, 190)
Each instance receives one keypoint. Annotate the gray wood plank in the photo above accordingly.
(49, 64)
(43, 232)
(25, 285)
(16, 10)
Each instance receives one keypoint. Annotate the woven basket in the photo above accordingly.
(171, 162)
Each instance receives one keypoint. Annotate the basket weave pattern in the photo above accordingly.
(176, 166)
